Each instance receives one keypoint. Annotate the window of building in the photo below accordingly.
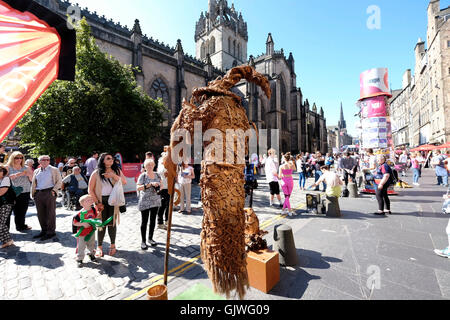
(239, 52)
(212, 45)
(437, 104)
(160, 90)
(203, 51)
(448, 43)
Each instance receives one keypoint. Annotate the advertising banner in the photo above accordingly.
(375, 143)
(374, 107)
(131, 171)
(374, 82)
(373, 133)
(30, 57)
(377, 122)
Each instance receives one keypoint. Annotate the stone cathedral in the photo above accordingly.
(221, 39)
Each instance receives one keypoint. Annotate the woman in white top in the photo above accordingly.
(100, 187)
(301, 169)
(185, 176)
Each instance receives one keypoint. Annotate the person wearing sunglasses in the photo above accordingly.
(20, 176)
(45, 184)
(101, 185)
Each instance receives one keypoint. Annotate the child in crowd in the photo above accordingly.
(86, 237)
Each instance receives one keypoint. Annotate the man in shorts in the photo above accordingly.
(271, 169)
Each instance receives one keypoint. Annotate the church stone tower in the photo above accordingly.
(222, 33)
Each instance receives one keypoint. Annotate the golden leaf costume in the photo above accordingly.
(223, 247)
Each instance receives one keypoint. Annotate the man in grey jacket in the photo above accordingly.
(349, 166)
(44, 190)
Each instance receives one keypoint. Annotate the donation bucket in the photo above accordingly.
(158, 292)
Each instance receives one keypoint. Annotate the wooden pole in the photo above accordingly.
(169, 228)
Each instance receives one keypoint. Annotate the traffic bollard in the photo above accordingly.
(284, 244)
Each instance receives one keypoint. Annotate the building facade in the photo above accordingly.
(420, 112)
(221, 39)
(337, 135)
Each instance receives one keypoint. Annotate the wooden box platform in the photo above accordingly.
(263, 268)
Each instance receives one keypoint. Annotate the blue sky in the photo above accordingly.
(329, 39)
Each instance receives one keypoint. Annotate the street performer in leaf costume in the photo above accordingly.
(222, 246)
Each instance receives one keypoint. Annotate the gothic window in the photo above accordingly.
(230, 48)
(239, 53)
(284, 116)
(234, 48)
(283, 95)
(273, 97)
(212, 45)
(203, 51)
(160, 90)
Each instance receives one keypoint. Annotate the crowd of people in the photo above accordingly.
(334, 172)
(91, 183)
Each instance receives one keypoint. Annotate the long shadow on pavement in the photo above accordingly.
(294, 281)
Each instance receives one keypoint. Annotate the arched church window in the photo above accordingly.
(230, 48)
(284, 101)
(239, 52)
(273, 97)
(212, 45)
(234, 48)
(159, 90)
(203, 51)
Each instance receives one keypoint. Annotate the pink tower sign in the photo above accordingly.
(374, 83)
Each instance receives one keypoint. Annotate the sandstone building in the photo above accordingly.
(421, 109)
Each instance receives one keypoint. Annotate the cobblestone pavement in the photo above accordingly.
(47, 270)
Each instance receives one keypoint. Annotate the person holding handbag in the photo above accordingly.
(5, 207)
(20, 176)
(148, 186)
(100, 188)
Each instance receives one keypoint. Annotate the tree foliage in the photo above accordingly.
(103, 109)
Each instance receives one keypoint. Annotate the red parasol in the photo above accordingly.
(36, 48)
(444, 146)
(425, 147)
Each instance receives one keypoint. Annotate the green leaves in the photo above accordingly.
(103, 109)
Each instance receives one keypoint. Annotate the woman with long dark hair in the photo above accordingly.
(100, 187)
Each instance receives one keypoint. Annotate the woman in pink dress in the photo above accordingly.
(287, 181)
